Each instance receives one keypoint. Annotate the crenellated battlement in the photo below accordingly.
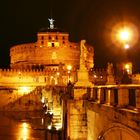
(49, 76)
(28, 71)
(13, 71)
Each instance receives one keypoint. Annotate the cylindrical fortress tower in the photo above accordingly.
(52, 48)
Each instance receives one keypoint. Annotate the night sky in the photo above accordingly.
(92, 20)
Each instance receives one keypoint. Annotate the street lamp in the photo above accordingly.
(69, 67)
(127, 67)
(125, 36)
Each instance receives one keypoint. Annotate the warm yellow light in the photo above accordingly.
(43, 100)
(49, 127)
(124, 34)
(57, 73)
(126, 46)
(69, 67)
(25, 90)
(95, 76)
(58, 127)
(56, 44)
(127, 66)
(49, 44)
(24, 131)
(52, 77)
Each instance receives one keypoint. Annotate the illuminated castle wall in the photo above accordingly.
(51, 49)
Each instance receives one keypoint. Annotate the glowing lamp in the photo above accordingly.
(69, 67)
(57, 73)
(124, 34)
(127, 66)
(49, 127)
(25, 89)
(126, 46)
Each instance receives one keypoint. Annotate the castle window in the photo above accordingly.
(50, 38)
(53, 44)
(56, 37)
(42, 42)
(49, 44)
(42, 37)
(63, 42)
(63, 38)
(53, 38)
(56, 44)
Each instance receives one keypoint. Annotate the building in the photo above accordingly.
(52, 59)
(51, 48)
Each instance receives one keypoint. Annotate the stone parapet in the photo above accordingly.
(106, 122)
(77, 122)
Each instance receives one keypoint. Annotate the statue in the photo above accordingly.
(109, 68)
(110, 76)
(51, 23)
(84, 51)
(83, 74)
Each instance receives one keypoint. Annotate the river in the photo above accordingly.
(22, 126)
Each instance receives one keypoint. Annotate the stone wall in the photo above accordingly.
(109, 123)
(28, 77)
(77, 125)
(50, 48)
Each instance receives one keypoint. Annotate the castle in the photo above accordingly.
(50, 60)
(92, 107)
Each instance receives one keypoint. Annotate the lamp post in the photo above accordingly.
(69, 67)
(125, 36)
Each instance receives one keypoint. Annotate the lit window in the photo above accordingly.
(56, 44)
(53, 38)
(49, 44)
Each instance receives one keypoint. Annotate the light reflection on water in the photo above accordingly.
(24, 131)
(14, 126)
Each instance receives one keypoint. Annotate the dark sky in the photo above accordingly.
(92, 20)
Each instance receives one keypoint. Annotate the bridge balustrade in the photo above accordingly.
(125, 96)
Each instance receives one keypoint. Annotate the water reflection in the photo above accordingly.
(27, 126)
(24, 131)
(20, 126)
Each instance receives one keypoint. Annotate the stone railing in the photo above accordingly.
(124, 96)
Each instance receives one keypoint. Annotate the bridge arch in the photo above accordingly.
(117, 131)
